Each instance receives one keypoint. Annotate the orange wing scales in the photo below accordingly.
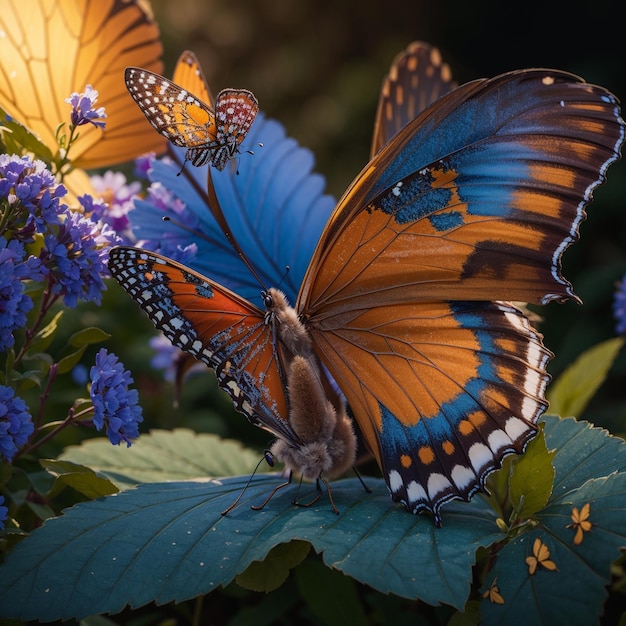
(469, 205)
(441, 391)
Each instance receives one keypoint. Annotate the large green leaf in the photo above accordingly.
(164, 455)
(583, 451)
(168, 541)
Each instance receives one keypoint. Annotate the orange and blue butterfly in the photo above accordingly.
(405, 303)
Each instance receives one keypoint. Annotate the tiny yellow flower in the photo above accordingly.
(493, 593)
(541, 556)
(580, 523)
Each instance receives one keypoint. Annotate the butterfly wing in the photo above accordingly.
(216, 326)
(188, 74)
(235, 110)
(417, 78)
(98, 39)
(441, 391)
(474, 200)
(173, 111)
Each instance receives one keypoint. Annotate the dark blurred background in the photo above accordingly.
(317, 65)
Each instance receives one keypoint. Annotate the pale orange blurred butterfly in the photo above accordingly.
(81, 43)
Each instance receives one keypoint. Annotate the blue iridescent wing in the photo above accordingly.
(275, 204)
(471, 204)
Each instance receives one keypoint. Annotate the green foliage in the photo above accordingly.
(161, 455)
(531, 480)
(171, 528)
(17, 139)
(570, 394)
(81, 478)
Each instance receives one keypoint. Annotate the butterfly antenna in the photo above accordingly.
(284, 276)
(182, 167)
(269, 458)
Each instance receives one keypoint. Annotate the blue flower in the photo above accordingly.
(619, 307)
(115, 405)
(75, 256)
(83, 111)
(16, 425)
(32, 193)
(15, 267)
(4, 512)
(275, 207)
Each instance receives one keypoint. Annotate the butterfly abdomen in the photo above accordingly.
(326, 444)
(327, 441)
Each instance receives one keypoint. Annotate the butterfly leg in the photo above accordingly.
(319, 495)
(273, 493)
(363, 483)
(268, 457)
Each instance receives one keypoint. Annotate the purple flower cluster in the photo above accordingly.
(115, 405)
(74, 255)
(29, 195)
(16, 425)
(83, 111)
(75, 246)
(15, 268)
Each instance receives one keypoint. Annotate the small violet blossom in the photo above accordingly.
(116, 407)
(83, 111)
(117, 194)
(16, 425)
(143, 164)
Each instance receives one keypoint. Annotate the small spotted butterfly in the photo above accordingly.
(406, 301)
(210, 135)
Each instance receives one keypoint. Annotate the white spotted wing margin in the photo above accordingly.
(215, 325)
